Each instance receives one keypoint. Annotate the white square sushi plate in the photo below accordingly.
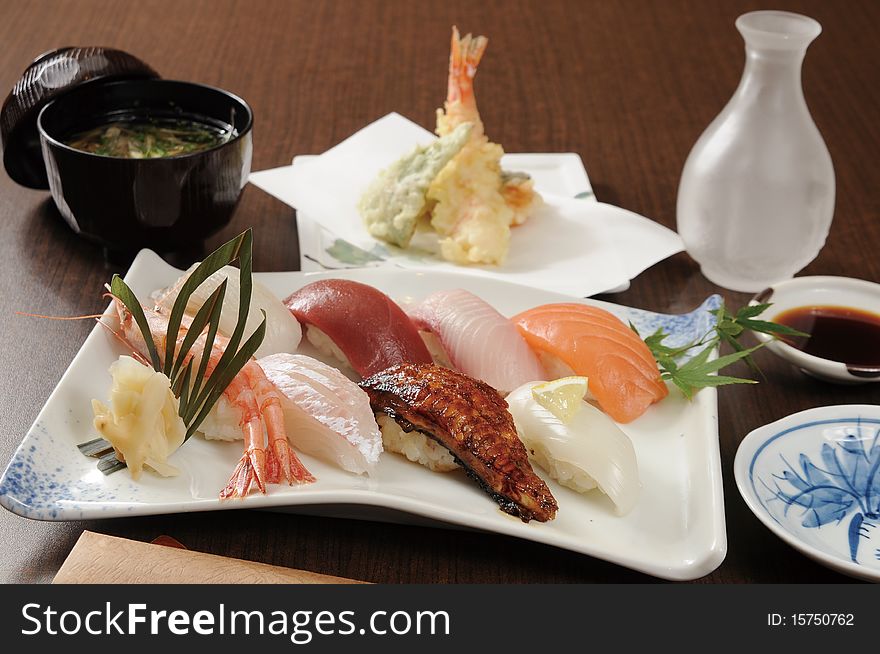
(676, 531)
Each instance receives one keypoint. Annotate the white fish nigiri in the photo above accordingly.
(588, 451)
(283, 332)
(326, 414)
(479, 341)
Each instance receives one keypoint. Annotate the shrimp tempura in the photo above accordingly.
(475, 202)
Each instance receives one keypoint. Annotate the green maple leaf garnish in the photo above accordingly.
(701, 372)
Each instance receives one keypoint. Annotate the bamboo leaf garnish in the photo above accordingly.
(213, 324)
(222, 256)
(197, 392)
(197, 326)
(245, 261)
(218, 382)
(97, 447)
(244, 300)
(124, 294)
(699, 372)
(185, 389)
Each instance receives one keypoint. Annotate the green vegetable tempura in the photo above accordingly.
(394, 202)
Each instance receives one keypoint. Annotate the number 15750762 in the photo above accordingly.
(811, 620)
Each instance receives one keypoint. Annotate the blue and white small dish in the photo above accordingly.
(818, 290)
(813, 478)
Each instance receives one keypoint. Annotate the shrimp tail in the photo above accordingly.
(250, 391)
(464, 57)
(250, 471)
(461, 104)
(283, 464)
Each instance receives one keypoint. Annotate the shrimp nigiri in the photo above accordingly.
(255, 396)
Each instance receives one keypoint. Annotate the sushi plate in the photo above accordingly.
(676, 531)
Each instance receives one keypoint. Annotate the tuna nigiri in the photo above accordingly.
(325, 414)
(594, 343)
(478, 340)
(358, 324)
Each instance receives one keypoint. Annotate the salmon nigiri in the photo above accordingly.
(594, 343)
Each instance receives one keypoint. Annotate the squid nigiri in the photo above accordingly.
(588, 451)
(325, 414)
(357, 324)
(478, 340)
(470, 419)
(594, 343)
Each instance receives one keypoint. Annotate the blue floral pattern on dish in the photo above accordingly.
(838, 488)
(847, 483)
(682, 328)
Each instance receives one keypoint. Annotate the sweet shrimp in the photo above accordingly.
(250, 391)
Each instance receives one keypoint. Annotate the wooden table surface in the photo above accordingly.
(629, 85)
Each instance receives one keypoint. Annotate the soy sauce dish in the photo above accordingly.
(841, 315)
(160, 195)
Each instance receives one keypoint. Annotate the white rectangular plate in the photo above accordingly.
(675, 532)
(561, 173)
(572, 244)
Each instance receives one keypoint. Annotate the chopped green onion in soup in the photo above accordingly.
(149, 138)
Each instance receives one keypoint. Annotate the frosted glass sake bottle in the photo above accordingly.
(756, 196)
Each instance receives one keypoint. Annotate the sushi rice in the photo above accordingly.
(222, 422)
(325, 345)
(556, 368)
(414, 445)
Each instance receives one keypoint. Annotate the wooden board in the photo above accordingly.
(100, 559)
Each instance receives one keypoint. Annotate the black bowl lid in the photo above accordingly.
(49, 76)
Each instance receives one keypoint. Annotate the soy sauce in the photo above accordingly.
(844, 334)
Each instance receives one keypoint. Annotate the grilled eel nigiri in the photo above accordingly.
(471, 420)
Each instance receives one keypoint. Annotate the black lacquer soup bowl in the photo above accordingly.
(165, 203)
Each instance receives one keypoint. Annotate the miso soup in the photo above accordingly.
(149, 138)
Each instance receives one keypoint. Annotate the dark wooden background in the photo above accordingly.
(629, 85)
